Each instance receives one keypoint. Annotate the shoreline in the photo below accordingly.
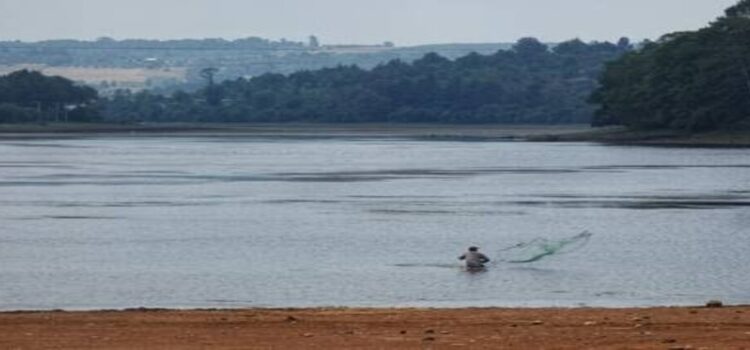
(655, 138)
(367, 328)
(419, 132)
(296, 128)
(412, 131)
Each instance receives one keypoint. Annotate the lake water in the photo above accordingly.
(282, 222)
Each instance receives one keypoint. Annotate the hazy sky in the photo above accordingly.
(406, 22)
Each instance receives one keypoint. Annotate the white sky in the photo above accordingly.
(405, 22)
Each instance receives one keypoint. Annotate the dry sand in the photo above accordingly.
(579, 328)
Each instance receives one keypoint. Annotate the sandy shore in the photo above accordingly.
(579, 328)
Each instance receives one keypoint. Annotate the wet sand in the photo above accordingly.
(663, 138)
(579, 328)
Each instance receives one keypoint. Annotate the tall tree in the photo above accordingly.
(696, 80)
(51, 97)
(212, 92)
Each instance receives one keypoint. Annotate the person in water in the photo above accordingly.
(474, 259)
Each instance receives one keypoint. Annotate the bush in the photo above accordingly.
(10, 113)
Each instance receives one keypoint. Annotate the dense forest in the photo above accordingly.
(698, 80)
(27, 96)
(530, 83)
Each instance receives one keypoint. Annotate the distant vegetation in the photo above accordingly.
(530, 83)
(27, 96)
(694, 81)
(246, 57)
(136, 53)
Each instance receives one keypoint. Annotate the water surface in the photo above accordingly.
(213, 222)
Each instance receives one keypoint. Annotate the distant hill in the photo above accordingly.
(529, 84)
(156, 64)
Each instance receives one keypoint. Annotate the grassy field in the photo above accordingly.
(126, 77)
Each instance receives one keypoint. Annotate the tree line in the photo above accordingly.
(695, 80)
(530, 83)
(30, 96)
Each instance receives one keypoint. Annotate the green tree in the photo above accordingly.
(212, 92)
(52, 97)
(694, 81)
(528, 84)
(741, 9)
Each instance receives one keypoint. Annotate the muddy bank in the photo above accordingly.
(580, 328)
(411, 131)
(665, 138)
(428, 132)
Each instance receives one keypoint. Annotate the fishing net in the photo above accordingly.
(540, 248)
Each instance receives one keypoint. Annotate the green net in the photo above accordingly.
(540, 248)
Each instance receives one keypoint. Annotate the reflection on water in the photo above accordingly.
(210, 222)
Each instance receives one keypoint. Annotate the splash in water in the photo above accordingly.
(540, 248)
